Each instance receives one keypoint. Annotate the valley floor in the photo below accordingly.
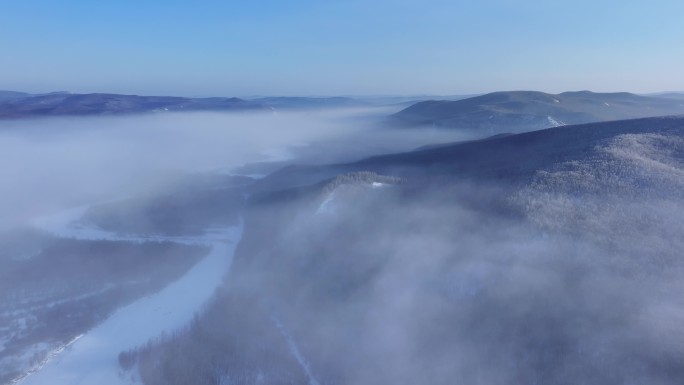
(93, 358)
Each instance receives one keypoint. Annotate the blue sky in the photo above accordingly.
(351, 47)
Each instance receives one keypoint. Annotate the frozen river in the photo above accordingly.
(93, 357)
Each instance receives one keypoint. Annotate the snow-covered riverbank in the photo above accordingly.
(93, 358)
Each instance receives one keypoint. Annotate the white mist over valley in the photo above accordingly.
(341, 193)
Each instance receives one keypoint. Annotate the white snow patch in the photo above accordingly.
(554, 122)
(556, 101)
(50, 355)
(294, 350)
(328, 205)
(39, 302)
(607, 104)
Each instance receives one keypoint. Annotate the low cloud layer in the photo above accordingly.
(55, 162)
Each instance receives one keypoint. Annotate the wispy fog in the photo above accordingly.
(574, 278)
(569, 274)
(55, 162)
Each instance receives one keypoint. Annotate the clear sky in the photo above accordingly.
(304, 47)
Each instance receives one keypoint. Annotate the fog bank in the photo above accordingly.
(51, 163)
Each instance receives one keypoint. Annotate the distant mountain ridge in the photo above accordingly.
(489, 114)
(65, 104)
(519, 111)
(15, 104)
(670, 95)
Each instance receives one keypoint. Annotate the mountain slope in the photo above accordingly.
(547, 257)
(519, 111)
(509, 159)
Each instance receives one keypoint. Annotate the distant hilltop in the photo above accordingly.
(517, 111)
